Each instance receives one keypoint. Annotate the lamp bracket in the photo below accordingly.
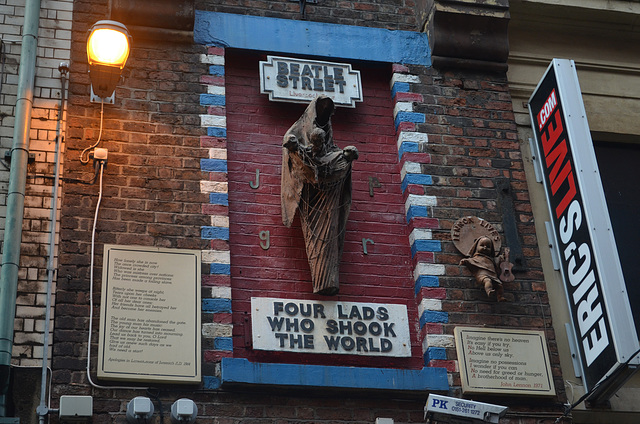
(107, 100)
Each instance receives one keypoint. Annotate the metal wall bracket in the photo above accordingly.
(555, 254)
(7, 157)
(505, 201)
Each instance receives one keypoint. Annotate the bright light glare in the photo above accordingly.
(108, 47)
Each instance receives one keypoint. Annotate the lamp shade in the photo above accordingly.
(107, 53)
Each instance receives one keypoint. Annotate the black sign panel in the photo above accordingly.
(584, 288)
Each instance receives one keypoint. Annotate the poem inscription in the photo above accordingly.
(149, 327)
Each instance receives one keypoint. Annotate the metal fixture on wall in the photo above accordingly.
(184, 411)
(108, 46)
(139, 409)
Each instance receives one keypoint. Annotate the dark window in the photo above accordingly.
(619, 164)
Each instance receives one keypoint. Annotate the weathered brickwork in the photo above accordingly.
(152, 181)
(393, 15)
(472, 141)
(54, 43)
(186, 137)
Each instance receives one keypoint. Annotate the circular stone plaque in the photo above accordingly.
(466, 230)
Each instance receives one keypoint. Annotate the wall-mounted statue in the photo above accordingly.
(480, 242)
(316, 181)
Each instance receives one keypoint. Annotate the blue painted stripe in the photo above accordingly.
(415, 117)
(425, 246)
(211, 382)
(219, 199)
(220, 269)
(400, 87)
(421, 179)
(435, 353)
(426, 281)
(239, 370)
(223, 343)
(213, 165)
(212, 100)
(416, 211)
(311, 38)
(408, 147)
(216, 305)
(217, 70)
(216, 132)
(214, 233)
(433, 316)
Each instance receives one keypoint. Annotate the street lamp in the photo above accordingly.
(107, 52)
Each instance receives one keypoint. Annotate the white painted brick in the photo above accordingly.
(213, 187)
(424, 268)
(420, 234)
(216, 89)
(404, 78)
(419, 200)
(429, 305)
(410, 168)
(219, 221)
(212, 59)
(216, 330)
(215, 153)
(402, 107)
(221, 292)
(213, 121)
(415, 137)
(437, 340)
(216, 256)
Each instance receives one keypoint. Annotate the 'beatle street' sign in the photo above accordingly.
(601, 316)
(347, 328)
(300, 81)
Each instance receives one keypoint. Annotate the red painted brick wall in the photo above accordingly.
(254, 136)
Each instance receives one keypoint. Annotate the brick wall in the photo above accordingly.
(151, 188)
(472, 141)
(396, 15)
(54, 41)
(183, 118)
(254, 137)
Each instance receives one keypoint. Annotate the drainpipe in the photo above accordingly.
(15, 196)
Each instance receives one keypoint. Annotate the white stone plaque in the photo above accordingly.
(286, 79)
(345, 328)
(514, 362)
(150, 315)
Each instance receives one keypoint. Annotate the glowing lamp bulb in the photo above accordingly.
(108, 47)
(107, 53)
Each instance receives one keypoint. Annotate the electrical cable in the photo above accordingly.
(590, 392)
(84, 160)
(93, 240)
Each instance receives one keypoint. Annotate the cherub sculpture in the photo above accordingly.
(316, 181)
(489, 270)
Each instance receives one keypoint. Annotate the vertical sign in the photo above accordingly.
(150, 315)
(601, 316)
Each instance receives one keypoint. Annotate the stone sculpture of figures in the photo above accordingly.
(482, 264)
(479, 241)
(316, 181)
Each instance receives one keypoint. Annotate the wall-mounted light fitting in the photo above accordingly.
(108, 46)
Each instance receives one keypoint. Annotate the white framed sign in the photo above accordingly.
(150, 315)
(287, 79)
(602, 321)
(343, 328)
(510, 362)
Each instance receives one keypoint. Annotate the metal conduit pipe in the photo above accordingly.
(43, 408)
(16, 193)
